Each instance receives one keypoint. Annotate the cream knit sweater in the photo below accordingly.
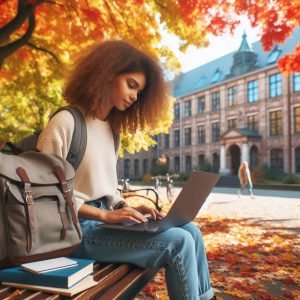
(96, 175)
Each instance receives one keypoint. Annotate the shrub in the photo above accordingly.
(205, 166)
(272, 174)
(291, 179)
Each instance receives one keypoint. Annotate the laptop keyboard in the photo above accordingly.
(151, 224)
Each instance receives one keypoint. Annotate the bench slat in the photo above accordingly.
(115, 281)
(130, 285)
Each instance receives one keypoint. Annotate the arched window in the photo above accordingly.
(297, 160)
(126, 167)
(276, 160)
(253, 157)
(145, 166)
(136, 167)
(188, 164)
(177, 164)
(216, 162)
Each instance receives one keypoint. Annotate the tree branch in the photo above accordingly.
(23, 12)
(7, 50)
(43, 50)
(111, 17)
(125, 21)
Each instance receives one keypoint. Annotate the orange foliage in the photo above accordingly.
(85, 20)
(291, 62)
(247, 260)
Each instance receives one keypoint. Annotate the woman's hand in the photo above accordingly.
(124, 214)
(146, 210)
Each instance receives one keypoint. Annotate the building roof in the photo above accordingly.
(243, 132)
(218, 70)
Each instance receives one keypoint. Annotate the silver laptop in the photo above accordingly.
(183, 210)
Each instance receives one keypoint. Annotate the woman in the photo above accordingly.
(245, 179)
(121, 89)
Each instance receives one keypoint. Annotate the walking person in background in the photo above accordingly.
(120, 89)
(245, 179)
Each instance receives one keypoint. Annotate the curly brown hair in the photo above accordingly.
(90, 85)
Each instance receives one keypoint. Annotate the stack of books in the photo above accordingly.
(61, 275)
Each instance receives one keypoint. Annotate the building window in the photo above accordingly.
(166, 141)
(156, 139)
(215, 101)
(145, 166)
(276, 122)
(296, 82)
(215, 132)
(188, 136)
(176, 164)
(201, 105)
(297, 119)
(176, 138)
(297, 160)
(277, 160)
(252, 91)
(231, 124)
(275, 85)
(252, 122)
(201, 134)
(153, 164)
(188, 164)
(253, 157)
(216, 162)
(187, 108)
(202, 164)
(126, 167)
(177, 111)
(216, 76)
(273, 56)
(136, 167)
(231, 94)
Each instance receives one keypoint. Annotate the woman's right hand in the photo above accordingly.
(124, 214)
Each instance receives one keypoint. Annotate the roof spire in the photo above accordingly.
(244, 47)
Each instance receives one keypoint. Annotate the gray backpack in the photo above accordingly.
(37, 217)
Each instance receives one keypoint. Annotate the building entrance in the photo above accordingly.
(235, 158)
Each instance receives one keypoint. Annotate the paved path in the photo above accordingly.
(270, 206)
(278, 207)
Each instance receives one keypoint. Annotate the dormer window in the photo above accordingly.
(216, 76)
(273, 56)
(200, 82)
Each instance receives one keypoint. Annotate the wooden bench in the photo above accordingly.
(115, 281)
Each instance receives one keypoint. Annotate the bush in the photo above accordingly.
(271, 174)
(205, 166)
(159, 170)
(291, 179)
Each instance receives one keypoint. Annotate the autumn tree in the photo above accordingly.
(40, 39)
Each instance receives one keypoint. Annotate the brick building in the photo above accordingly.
(237, 107)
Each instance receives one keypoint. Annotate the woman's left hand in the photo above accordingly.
(144, 209)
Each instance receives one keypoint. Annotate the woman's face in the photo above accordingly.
(126, 88)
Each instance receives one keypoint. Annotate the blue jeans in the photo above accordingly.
(180, 250)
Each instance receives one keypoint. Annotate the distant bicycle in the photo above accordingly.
(169, 184)
(157, 182)
(125, 184)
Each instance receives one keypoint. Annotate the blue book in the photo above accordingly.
(63, 278)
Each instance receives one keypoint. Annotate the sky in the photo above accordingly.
(218, 47)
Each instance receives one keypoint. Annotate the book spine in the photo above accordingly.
(35, 279)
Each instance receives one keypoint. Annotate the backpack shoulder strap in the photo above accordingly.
(79, 137)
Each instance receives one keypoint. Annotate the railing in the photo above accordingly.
(127, 192)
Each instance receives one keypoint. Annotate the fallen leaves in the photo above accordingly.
(248, 259)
